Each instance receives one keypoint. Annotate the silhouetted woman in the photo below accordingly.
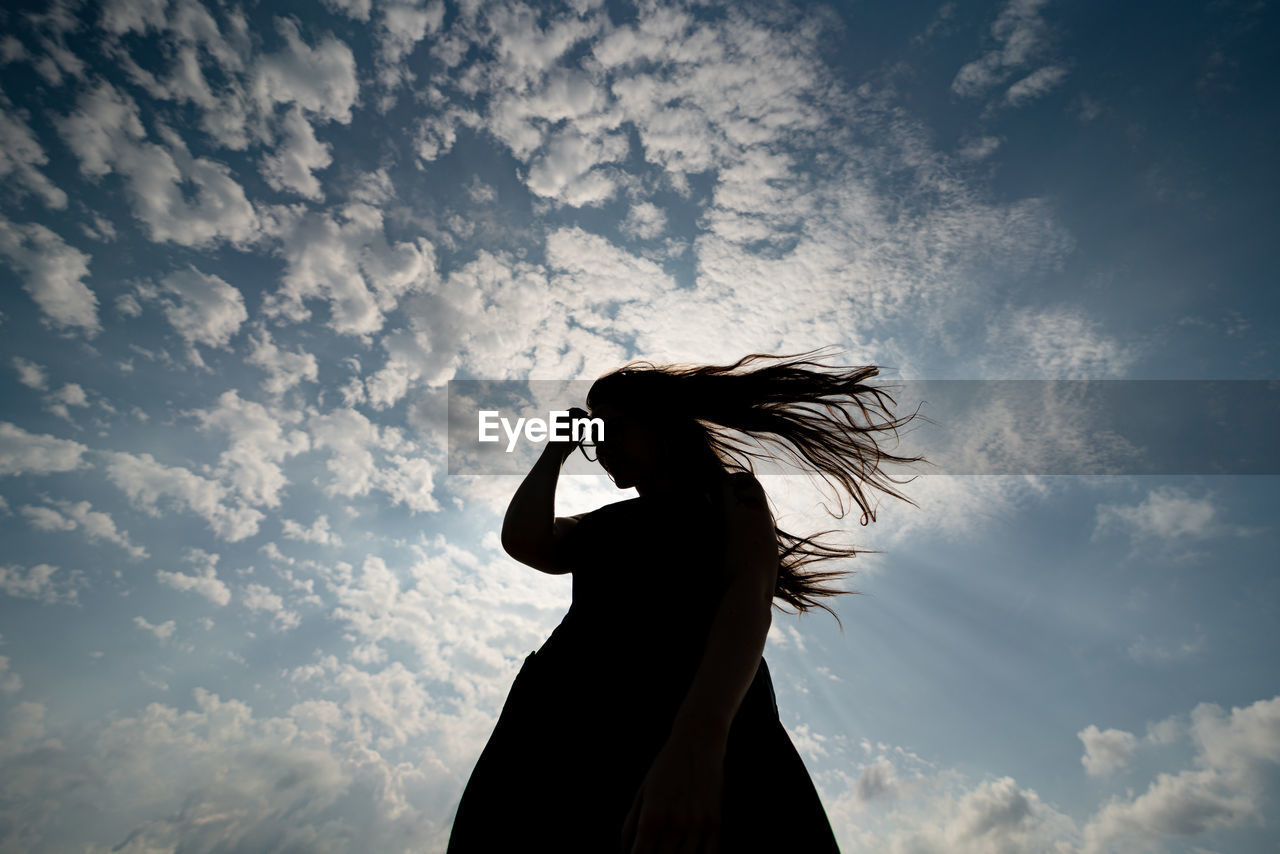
(647, 722)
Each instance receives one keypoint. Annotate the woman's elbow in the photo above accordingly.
(515, 546)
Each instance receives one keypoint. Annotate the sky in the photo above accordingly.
(244, 248)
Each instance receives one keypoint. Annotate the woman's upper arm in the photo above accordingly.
(552, 557)
(752, 547)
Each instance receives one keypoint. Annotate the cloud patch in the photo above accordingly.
(22, 452)
(53, 273)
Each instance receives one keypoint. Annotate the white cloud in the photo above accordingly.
(192, 201)
(319, 532)
(258, 597)
(900, 804)
(205, 581)
(1020, 32)
(101, 230)
(1166, 513)
(347, 260)
(1187, 804)
(285, 369)
(714, 90)
(272, 551)
(588, 270)
(876, 781)
(527, 49)
(25, 730)
(216, 211)
(53, 273)
(644, 221)
(71, 394)
(21, 154)
(194, 42)
(1037, 83)
(104, 123)
(162, 632)
(1053, 343)
(786, 256)
(202, 308)
(980, 148)
(297, 156)
(10, 683)
(146, 482)
(95, 524)
(372, 188)
(30, 374)
(498, 612)
(47, 519)
(1106, 751)
(36, 453)
(12, 50)
(566, 170)
(1225, 789)
(897, 802)
(400, 27)
(1240, 742)
(440, 327)
(259, 443)
(351, 437)
(320, 79)
(356, 444)
(462, 320)
(126, 16)
(481, 193)
(39, 583)
(55, 61)
(436, 134)
(212, 775)
(552, 118)
(357, 10)
(100, 526)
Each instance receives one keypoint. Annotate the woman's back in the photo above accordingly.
(592, 707)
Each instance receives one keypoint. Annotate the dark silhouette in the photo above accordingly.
(647, 722)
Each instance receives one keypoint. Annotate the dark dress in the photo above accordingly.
(590, 709)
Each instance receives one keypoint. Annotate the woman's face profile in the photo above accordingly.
(631, 450)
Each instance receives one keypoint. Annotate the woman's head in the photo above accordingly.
(649, 442)
(674, 426)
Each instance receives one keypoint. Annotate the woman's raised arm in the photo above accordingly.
(531, 530)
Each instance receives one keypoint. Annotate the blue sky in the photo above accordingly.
(244, 248)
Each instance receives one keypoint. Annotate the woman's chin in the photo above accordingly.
(620, 479)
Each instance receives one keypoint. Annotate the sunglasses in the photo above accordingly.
(590, 445)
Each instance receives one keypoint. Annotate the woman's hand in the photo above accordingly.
(566, 447)
(677, 808)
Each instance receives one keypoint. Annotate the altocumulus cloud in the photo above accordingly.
(250, 249)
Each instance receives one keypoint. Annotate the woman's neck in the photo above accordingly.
(668, 483)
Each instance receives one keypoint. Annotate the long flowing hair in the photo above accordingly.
(826, 420)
